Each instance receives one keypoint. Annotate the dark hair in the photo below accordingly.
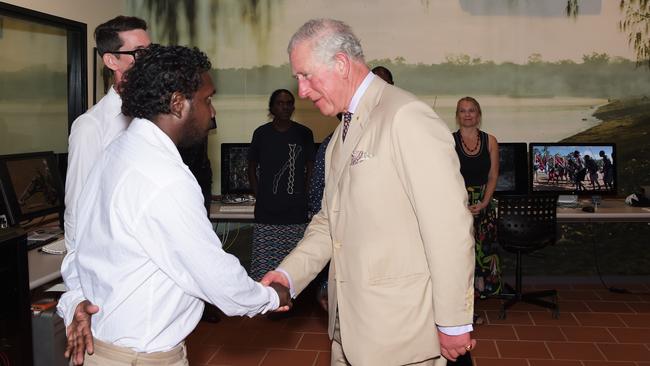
(275, 95)
(381, 69)
(162, 70)
(107, 36)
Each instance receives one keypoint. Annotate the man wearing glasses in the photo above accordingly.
(119, 41)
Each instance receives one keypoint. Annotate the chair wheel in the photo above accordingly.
(502, 314)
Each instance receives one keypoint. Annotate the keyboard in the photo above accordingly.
(57, 247)
(241, 208)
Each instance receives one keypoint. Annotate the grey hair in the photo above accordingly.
(328, 37)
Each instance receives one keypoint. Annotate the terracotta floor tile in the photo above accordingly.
(490, 331)
(636, 320)
(315, 342)
(565, 318)
(631, 335)
(262, 323)
(578, 295)
(640, 307)
(485, 348)
(554, 363)
(613, 296)
(587, 334)
(512, 317)
(539, 333)
(311, 325)
(239, 338)
(323, 359)
(608, 363)
(289, 358)
(200, 354)
(573, 306)
(234, 356)
(282, 340)
(588, 286)
(522, 349)
(625, 352)
(609, 307)
(500, 362)
(599, 319)
(487, 304)
(574, 351)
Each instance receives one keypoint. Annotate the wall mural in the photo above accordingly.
(544, 71)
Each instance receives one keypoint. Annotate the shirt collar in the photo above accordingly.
(361, 90)
(154, 135)
(115, 100)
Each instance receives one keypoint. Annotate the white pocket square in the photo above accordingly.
(359, 156)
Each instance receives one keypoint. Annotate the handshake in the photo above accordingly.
(279, 282)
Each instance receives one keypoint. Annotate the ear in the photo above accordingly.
(177, 104)
(110, 61)
(342, 64)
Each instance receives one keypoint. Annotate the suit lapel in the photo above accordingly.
(342, 151)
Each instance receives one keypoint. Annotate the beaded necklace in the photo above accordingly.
(478, 140)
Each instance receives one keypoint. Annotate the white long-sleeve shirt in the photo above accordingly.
(146, 252)
(91, 133)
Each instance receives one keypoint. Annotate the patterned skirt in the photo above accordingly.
(271, 243)
(487, 280)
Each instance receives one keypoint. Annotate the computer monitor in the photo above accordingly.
(31, 185)
(513, 168)
(573, 168)
(234, 169)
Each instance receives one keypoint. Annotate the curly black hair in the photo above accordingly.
(147, 87)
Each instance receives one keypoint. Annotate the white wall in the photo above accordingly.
(91, 12)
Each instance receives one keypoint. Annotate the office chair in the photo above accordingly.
(526, 223)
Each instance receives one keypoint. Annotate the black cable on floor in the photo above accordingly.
(613, 289)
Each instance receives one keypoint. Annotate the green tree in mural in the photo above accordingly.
(165, 12)
(635, 22)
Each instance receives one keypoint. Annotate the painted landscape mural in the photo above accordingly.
(544, 71)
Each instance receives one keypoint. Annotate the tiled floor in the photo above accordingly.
(595, 328)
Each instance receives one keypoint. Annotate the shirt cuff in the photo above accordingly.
(274, 300)
(292, 292)
(457, 330)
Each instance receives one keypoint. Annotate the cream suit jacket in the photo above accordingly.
(395, 224)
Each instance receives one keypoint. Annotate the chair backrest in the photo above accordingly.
(526, 222)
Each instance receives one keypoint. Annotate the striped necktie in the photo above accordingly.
(347, 117)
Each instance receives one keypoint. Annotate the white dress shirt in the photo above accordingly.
(91, 133)
(146, 252)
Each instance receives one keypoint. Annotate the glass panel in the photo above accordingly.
(33, 87)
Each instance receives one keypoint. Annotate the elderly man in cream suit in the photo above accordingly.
(394, 218)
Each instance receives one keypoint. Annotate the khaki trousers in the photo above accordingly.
(110, 355)
(339, 359)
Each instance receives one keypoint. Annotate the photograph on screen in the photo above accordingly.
(34, 184)
(234, 169)
(573, 168)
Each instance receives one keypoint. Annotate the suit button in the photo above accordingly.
(337, 245)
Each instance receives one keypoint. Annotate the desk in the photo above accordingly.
(43, 267)
(610, 210)
(217, 215)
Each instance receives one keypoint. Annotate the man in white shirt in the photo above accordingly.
(146, 252)
(118, 41)
(394, 218)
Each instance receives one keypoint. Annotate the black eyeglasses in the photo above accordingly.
(136, 54)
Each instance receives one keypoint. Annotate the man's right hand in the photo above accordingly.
(283, 294)
(80, 338)
(276, 277)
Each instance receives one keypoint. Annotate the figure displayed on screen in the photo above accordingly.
(39, 190)
(559, 167)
